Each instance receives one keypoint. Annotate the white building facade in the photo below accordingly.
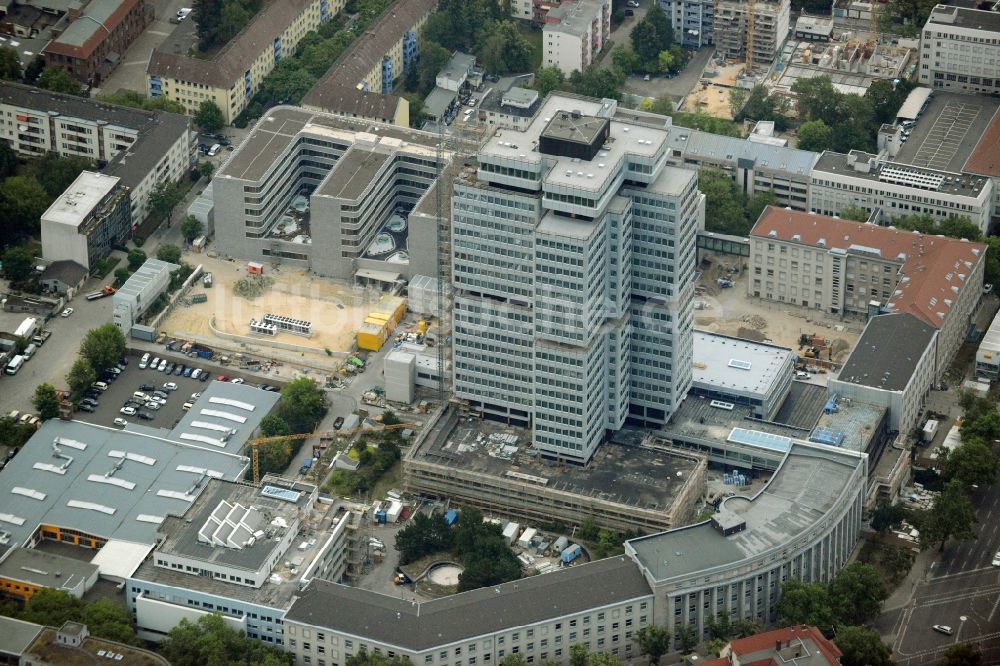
(960, 50)
(573, 268)
(575, 33)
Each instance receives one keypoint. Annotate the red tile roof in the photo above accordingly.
(985, 159)
(934, 267)
(768, 640)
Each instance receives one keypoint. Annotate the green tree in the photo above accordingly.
(951, 517)
(761, 105)
(856, 594)
(103, 347)
(163, 199)
(816, 136)
(887, 516)
(137, 100)
(302, 405)
(212, 642)
(273, 425)
(973, 463)
(55, 173)
(169, 253)
(688, 636)
(10, 64)
(209, 117)
(862, 647)
(579, 655)
(433, 57)
(805, 603)
(981, 424)
(756, 205)
(724, 203)
(548, 79)
(700, 121)
(18, 263)
(504, 50)
(817, 99)
(365, 658)
(654, 642)
(645, 41)
(598, 82)
(856, 127)
(737, 99)
(886, 97)
(136, 258)
(121, 276)
(34, 70)
(991, 272)
(423, 535)
(962, 654)
(953, 226)
(856, 213)
(81, 376)
(52, 608)
(589, 531)
(513, 659)
(664, 30)
(46, 401)
(109, 620)
(58, 79)
(22, 202)
(8, 160)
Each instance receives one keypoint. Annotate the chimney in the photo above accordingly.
(777, 645)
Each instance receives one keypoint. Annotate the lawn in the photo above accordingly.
(534, 37)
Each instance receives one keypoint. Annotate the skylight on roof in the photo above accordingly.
(232, 403)
(111, 481)
(229, 416)
(28, 492)
(148, 518)
(204, 439)
(200, 470)
(134, 457)
(91, 506)
(738, 364)
(12, 519)
(174, 494)
(71, 443)
(218, 427)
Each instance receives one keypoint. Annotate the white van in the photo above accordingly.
(214, 150)
(14, 365)
(144, 361)
(29, 351)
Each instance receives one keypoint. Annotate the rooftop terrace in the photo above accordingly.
(733, 364)
(902, 175)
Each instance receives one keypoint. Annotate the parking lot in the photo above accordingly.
(948, 131)
(121, 390)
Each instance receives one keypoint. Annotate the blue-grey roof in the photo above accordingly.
(700, 145)
(16, 636)
(93, 18)
(808, 484)
(79, 486)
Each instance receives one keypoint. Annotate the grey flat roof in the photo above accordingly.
(966, 118)
(45, 569)
(94, 18)
(634, 476)
(734, 364)
(160, 469)
(437, 102)
(558, 225)
(966, 18)
(353, 173)
(149, 270)
(578, 129)
(837, 165)
(180, 536)
(17, 635)
(428, 624)
(887, 353)
(700, 145)
(803, 489)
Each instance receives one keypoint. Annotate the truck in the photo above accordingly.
(199, 298)
(306, 466)
(206, 280)
(106, 290)
(40, 337)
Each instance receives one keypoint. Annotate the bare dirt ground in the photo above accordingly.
(731, 312)
(711, 94)
(335, 310)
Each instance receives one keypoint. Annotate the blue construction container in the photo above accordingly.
(380, 517)
(571, 553)
(451, 517)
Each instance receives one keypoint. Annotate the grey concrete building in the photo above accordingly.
(960, 50)
(87, 221)
(600, 605)
(139, 292)
(732, 370)
(329, 193)
(803, 524)
(573, 266)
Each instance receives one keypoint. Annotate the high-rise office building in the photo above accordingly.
(573, 250)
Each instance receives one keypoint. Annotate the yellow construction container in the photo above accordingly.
(371, 337)
(394, 307)
(422, 327)
(378, 318)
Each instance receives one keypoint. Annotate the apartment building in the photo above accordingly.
(573, 265)
(796, 644)
(692, 21)
(575, 33)
(839, 181)
(600, 605)
(235, 73)
(803, 524)
(142, 148)
(960, 50)
(360, 83)
(351, 176)
(770, 24)
(840, 266)
(87, 221)
(91, 37)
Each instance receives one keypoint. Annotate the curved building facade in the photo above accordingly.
(803, 524)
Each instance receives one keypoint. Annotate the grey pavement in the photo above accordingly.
(621, 36)
(675, 88)
(131, 71)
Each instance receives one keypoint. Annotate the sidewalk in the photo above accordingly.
(903, 593)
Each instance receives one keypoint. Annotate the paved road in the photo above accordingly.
(621, 36)
(677, 87)
(961, 590)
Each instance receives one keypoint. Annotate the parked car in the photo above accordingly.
(179, 370)
(188, 372)
(154, 363)
(139, 395)
(89, 401)
(996, 559)
(196, 373)
(203, 377)
(236, 380)
(127, 411)
(187, 405)
(223, 378)
(144, 361)
(338, 422)
(147, 387)
(158, 400)
(160, 394)
(67, 312)
(145, 416)
(169, 368)
(120, 422)
(943, 628)
(152, 404)
(87, 407)
(162, 366)
(629, 12)
(132, 403)
(196, 395)
(100, 386)
(170, 386)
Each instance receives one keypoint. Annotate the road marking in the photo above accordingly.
(995, 604)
